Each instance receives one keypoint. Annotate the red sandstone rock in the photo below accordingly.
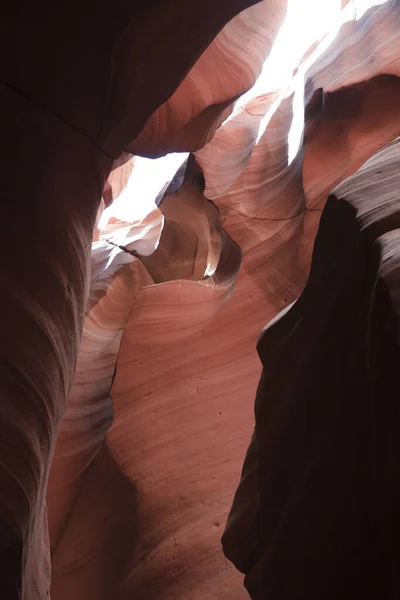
(133, 378)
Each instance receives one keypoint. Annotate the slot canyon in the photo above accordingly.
(200, 301)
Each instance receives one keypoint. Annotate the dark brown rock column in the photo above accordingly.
(51, 184)
(322, 467)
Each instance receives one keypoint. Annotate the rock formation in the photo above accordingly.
(165, 169)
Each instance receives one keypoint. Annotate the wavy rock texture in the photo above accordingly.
(316, 510)
(66, 103)
(128, 383)
(188, 120)
(319, 515)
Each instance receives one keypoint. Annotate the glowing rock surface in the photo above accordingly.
(165, 171)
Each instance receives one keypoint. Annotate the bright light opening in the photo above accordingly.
(148, 178)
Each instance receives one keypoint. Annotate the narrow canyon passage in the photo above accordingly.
(200, 300)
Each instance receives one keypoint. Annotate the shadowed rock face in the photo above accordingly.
(131, 317)
(324, 456)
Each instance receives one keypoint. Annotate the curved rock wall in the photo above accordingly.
(129, 372)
